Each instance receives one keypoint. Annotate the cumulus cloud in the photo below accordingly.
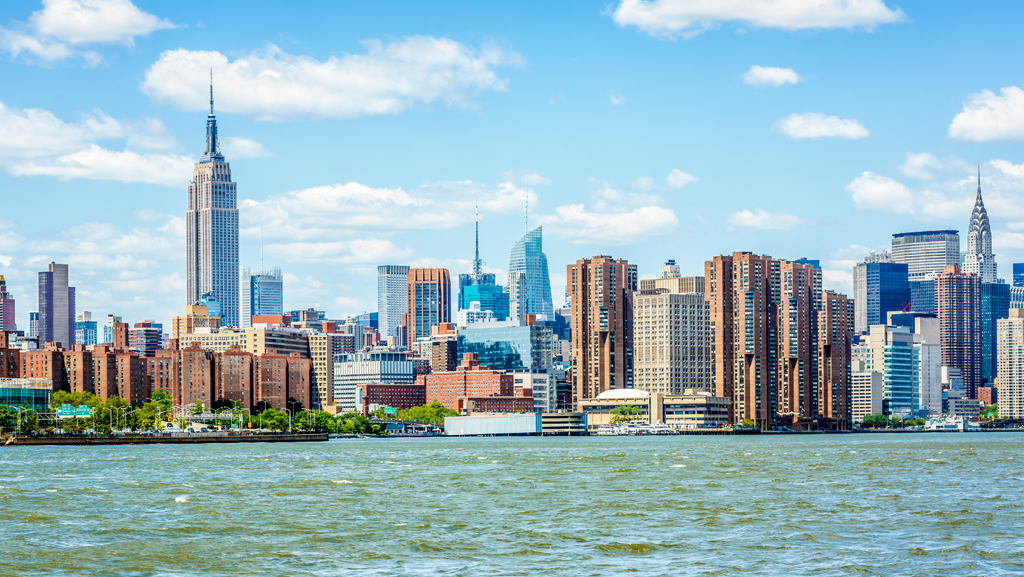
(920, 165)
(678, 179)
(238, 147)
(770, 76)
(987, 117)
(270, 84)
(129, 269)
(880, 193)
(581, 225)
(69, 150)
(759, 219)
(98, 163)
(950, 198)
(644, 183)
(817, 125)
(53, 33)
(687, 18)
(614, 216)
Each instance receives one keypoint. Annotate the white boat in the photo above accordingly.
(960, 424)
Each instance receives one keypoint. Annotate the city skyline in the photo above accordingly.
(886, 155)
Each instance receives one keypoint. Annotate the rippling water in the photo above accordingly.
(773, 505)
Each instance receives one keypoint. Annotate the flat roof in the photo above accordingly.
(924, 232)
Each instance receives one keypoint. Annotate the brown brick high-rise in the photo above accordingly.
(429, 294)
(766, 317)
(601, 289)
(958, 304)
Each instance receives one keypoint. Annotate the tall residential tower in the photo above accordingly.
(211, 228)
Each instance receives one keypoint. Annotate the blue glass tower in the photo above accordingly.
(528, 258)
(995, 305)
(878, 288)
(1018, 274)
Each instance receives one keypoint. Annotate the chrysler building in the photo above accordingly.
(979, 258)
(211, 225)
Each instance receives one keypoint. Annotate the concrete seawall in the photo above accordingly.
(161, 440)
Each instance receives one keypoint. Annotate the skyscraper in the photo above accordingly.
(262, 294)
(429, 294)
(56, 306)
(979, 259)
(879, 286)
(995, 305)
(1010, 339)
(958, 300)
(33, 325)
(1018, 274)
(7, 322)
(109, 329)
(671, 334)
(928, 251)
(392, 298)
(601, 289)
(211, 228)
(528, 257)
(835, 340)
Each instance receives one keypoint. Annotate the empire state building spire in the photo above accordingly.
(212, 151)
(979, 258)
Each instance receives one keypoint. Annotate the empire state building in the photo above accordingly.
(211, 225)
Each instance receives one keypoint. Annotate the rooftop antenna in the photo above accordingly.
(211, 91)
(261, 250)
(476, 261)
(526, 219)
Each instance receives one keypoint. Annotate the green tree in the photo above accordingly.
(748, 423)
(434, 413)
(322, 421)
(990, 412)
(875, 422)
(625, 414)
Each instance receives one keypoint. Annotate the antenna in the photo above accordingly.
(526, 219)
(476, 261)
(261, 250)
(211, 91)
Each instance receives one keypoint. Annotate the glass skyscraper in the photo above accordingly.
(879, 286)
(262, 294)
(1018, 274)
(508, 346)
(528, 258)
(995, 305)
(479, 286)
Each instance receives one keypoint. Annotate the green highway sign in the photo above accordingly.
(83, 411)
(389, 411)
(66, 412)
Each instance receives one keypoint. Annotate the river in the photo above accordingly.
(867, 504)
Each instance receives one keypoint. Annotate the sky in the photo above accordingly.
(362, 134)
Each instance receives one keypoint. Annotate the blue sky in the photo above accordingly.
(362, 134)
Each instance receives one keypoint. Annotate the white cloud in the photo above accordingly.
(644, 183)
(817, 125)
(770, 76)
(238, 147)
(52, 33)
(687, 18)
(95, 21)
(580, 225)
(69, 150)
(760, 219)
(271, 84)
(920, 165)
(987, 117)
(98, 163)
(880, 193)
(678, 179)
(616, 98)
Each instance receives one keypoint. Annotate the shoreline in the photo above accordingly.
(157, 440)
